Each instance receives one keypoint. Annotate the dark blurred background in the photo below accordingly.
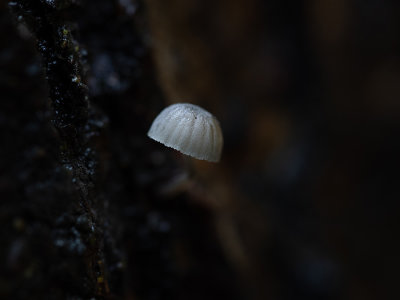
(304, 203)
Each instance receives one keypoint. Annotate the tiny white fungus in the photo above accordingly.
(189, 129)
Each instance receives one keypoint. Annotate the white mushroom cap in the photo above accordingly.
(189, 129)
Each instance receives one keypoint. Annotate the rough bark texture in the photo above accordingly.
(303, 205)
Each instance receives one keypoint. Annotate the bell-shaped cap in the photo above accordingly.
(189, 129)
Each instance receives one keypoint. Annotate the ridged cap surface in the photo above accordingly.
(189, 129)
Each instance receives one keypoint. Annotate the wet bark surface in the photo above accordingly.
(304, 203)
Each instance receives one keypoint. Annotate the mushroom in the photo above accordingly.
(189, 129)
